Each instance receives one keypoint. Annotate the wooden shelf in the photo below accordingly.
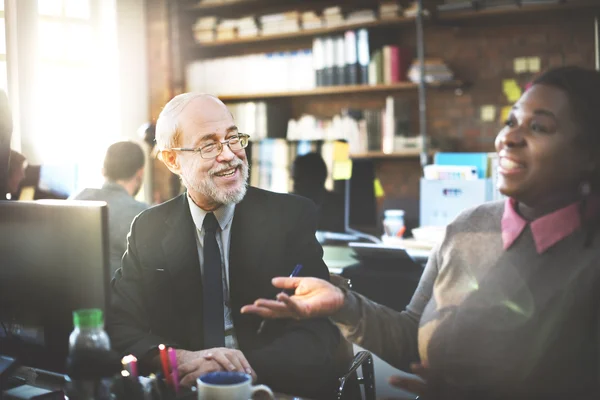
(515, 10)
(409, 153)
(223, 5)
(333, 90)
(308, 32)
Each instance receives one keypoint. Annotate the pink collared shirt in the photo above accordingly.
(546, 230)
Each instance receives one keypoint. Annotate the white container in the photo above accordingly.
(393, 223)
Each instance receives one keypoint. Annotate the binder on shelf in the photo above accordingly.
(363, 55)
(376, 68)
(319, 61)
(339, 73)
(329, 57)
(351, 56)
(390, 64)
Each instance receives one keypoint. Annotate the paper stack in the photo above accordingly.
(227, 29)
(333, 16)
(247, 27)
(273, 24)
(389, 9)
(204, 29)
(310, 20)
(435, 71)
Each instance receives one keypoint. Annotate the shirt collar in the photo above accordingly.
(546, 230)
(224, 214)
(109, 185)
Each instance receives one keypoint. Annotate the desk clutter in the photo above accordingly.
(98, 375)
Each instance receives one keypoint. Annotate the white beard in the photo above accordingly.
(209, 189)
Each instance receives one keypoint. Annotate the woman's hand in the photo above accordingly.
(313, 297)
(416, 385)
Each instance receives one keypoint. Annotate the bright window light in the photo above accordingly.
(76, 87)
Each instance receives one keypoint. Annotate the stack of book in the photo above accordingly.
(287, 22)
(204, 29)
(489, 4)
(260, 119)
(412, 10)
(227, 29)
(342, 60)
(389, 9)
(342, 126)
(247, 27)
(457, 5)
(435, 71)
(271, 160)
(253, 73)
(389, 65)
(360, 16)
(310, 20)
(333, 16)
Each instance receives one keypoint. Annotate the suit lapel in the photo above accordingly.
(179, 244)
(249, 236)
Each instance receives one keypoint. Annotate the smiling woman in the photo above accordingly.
(508, 305)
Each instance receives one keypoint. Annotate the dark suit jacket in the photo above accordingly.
(157, 294)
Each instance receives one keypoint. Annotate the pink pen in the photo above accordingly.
(174, 373)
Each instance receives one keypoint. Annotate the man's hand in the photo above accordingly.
(313, 297)
(193, 364)
(416, 385)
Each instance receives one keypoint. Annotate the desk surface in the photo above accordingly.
(339, 257)
(52, 381)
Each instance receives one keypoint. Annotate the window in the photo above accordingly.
(3, 74)
(76, 83)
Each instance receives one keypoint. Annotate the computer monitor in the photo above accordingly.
(360, 197)
(53, 260)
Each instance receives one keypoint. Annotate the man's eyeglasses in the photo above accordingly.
(212, 150)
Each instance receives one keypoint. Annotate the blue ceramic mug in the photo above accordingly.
(224, 385)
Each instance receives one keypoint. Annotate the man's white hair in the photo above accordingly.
(167, 125)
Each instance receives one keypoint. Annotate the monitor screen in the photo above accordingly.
(54, 260)
(362, 202)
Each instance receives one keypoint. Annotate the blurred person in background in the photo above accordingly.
(123, 171)
(5, 138)
(17, 164)
(309, 172)
(508, 306)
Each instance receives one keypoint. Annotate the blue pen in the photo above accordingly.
(294, 273)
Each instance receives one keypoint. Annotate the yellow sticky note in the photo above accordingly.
(341, 151)
(488, 113)
(511, 90)
(505, 113)
(342, 170)
(534, 64)
(27, 193)
(520, 65)
(378, 188)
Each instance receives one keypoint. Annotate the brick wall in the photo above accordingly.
(482, 54)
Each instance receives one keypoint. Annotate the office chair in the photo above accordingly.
(349, 383)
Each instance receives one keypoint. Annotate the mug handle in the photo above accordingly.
(263, 388)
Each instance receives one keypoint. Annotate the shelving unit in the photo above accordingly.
(309, 33)
(174, 48)
(335, 90)
(455, 16)
(409, 153)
